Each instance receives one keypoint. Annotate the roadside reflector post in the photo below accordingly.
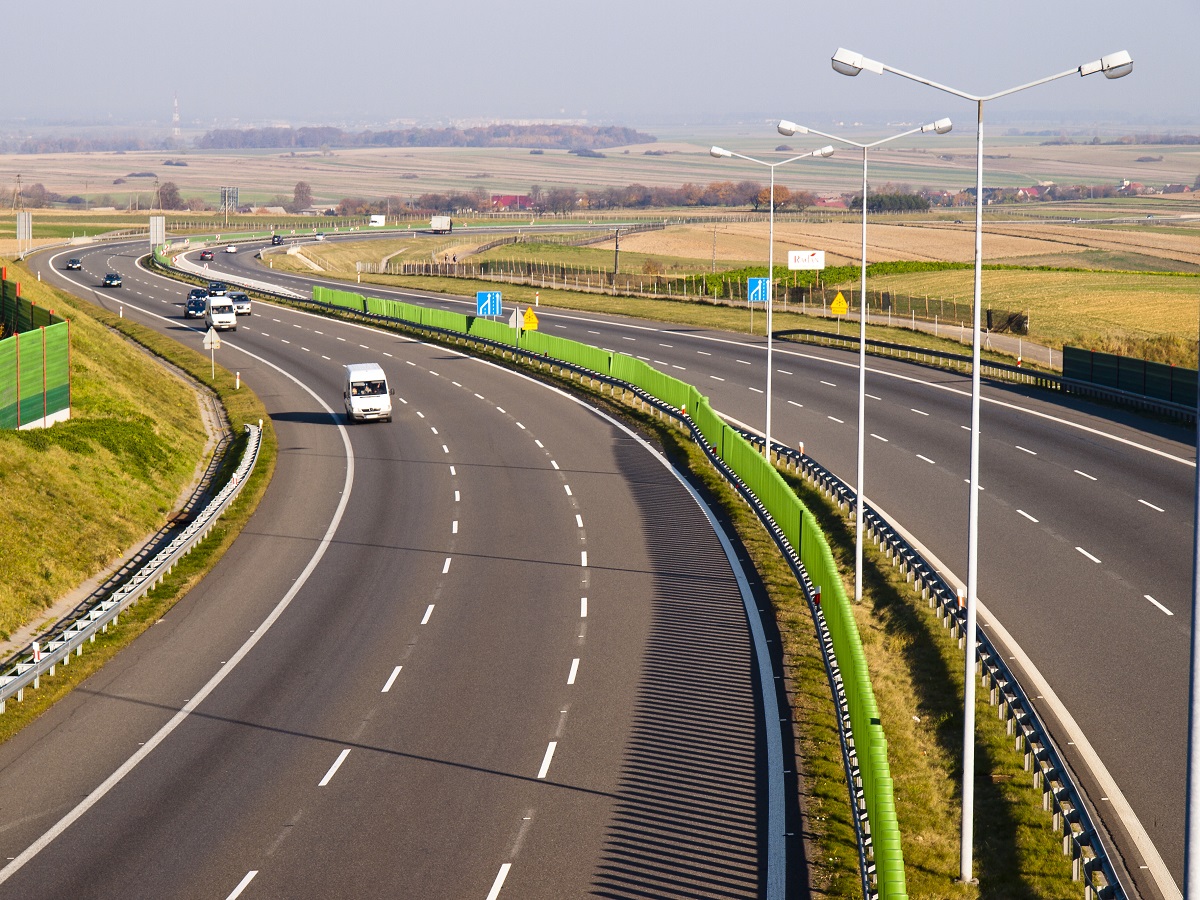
(237, 381)
(800, 447)
(817, 595)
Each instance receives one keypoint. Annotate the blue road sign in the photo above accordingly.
(757, 290)
(487, 303)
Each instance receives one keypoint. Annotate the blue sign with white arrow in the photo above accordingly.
(757, 290)
(487, 303)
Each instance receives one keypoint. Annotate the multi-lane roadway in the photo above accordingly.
(492, 649)
(1086, 535)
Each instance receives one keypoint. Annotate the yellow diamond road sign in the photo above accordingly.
(529, 323)
(839, 307)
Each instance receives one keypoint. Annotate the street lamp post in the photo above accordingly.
(786, 128)
(847, 62)
(721, 153)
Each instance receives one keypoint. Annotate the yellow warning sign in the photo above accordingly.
(529, 322)
(839, 307)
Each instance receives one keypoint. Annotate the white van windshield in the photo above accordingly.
(368, 388)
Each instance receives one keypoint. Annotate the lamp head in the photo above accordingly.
(825, 151)
(1115, 65)
(847, 62)
(787, 128)
(720, 153)
(941, 126)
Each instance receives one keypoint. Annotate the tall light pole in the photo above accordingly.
(847, 62)
(941, 126)
(720, 153)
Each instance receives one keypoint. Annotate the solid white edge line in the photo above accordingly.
(337, 764)
(546, 759)
(1039, 686)
(391, 679)
(499, 882)
(1159, 605)
(188, 708)
(242, 885)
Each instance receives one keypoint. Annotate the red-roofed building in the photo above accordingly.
(514, 202)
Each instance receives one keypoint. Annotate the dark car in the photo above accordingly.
(276, 240)
(74, 263)
(217, 289)
(194, 307)
(112, 279)
(206, 254)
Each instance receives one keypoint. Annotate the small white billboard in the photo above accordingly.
(378, 221)
(806, 259)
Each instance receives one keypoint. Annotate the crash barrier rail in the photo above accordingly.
(864, 742)
(43, 656)
(1091, 862)
(1126, 394)
(35, 361)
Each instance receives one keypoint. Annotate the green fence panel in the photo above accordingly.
(58, 367)
(376, 306)
(30, 376)
(8, 383)
(568, 351)
(347, 300)
(491, 330)
(444, 319)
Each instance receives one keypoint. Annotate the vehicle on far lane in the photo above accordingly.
(197, 299)
(74, 263)
(276, 240)
(206, 254)
(112, 279)
(240, 301)
(217, 289)
(231, 249)
(219, 314)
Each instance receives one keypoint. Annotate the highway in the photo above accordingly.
(492, 649)
(1086, 533)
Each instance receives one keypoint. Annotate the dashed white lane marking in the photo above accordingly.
(434, 430)
(420, 415)
(1088, 555)
(1085, 475)
(583, 607)
(342, 339)
(457, 497)
(583, 558)
(1151, 505)
(337, 763)
(242, 885)
(927, 459)
(454, 527)
(716, 377)
(452, 472)
(522, 427)
(592, 332)
(555, 465)
(668, 346)
(574, 671)
(624, 338)
(836, 419)
(446, 567)
(878, 438)
(407, 361)
(567, 488)
(794, 403)
(783, 371)
(873, 397)
(428, 613)
(500, 409)
(1026, 450)
(1159, 605)
(456, 384)
(305, 349)
(829, 383)
(757, 390)
(385, 353)
(745, 362)
(919, 412)
(539, 443)
(480, 396)
(499, 882)
(323, 356)
(391, 679)
(579, 520)
(437, 374)
(445, 449)
(1027, 515)
(704, 353)
(546, 759)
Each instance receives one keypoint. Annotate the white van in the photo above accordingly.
(220, 314)
(366, 393)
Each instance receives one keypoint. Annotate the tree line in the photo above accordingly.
(544, 137)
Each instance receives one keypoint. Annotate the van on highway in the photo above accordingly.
(219, 314)
(366, 393)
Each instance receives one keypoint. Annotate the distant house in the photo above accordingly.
(1131, 187)
(272, 210)
(514, 202)
(1029, 193)
(831, 203)
(1176, 188)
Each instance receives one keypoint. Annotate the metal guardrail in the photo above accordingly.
(1091, 863)
(42, 657)
(996, 371)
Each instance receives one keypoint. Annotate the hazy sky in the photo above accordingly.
(632, 62)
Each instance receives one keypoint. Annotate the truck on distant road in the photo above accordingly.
(440, 225)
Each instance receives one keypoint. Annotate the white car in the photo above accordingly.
(231, 249)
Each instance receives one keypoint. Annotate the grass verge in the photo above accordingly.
(241, 406)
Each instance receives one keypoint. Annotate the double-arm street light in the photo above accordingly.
(847, 62)
(941, 126)
(721, 153)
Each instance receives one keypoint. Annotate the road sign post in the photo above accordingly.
(212, 342)
(758, 290)
(839, 307)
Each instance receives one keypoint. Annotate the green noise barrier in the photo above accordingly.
(35, 361)
(793, 518)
